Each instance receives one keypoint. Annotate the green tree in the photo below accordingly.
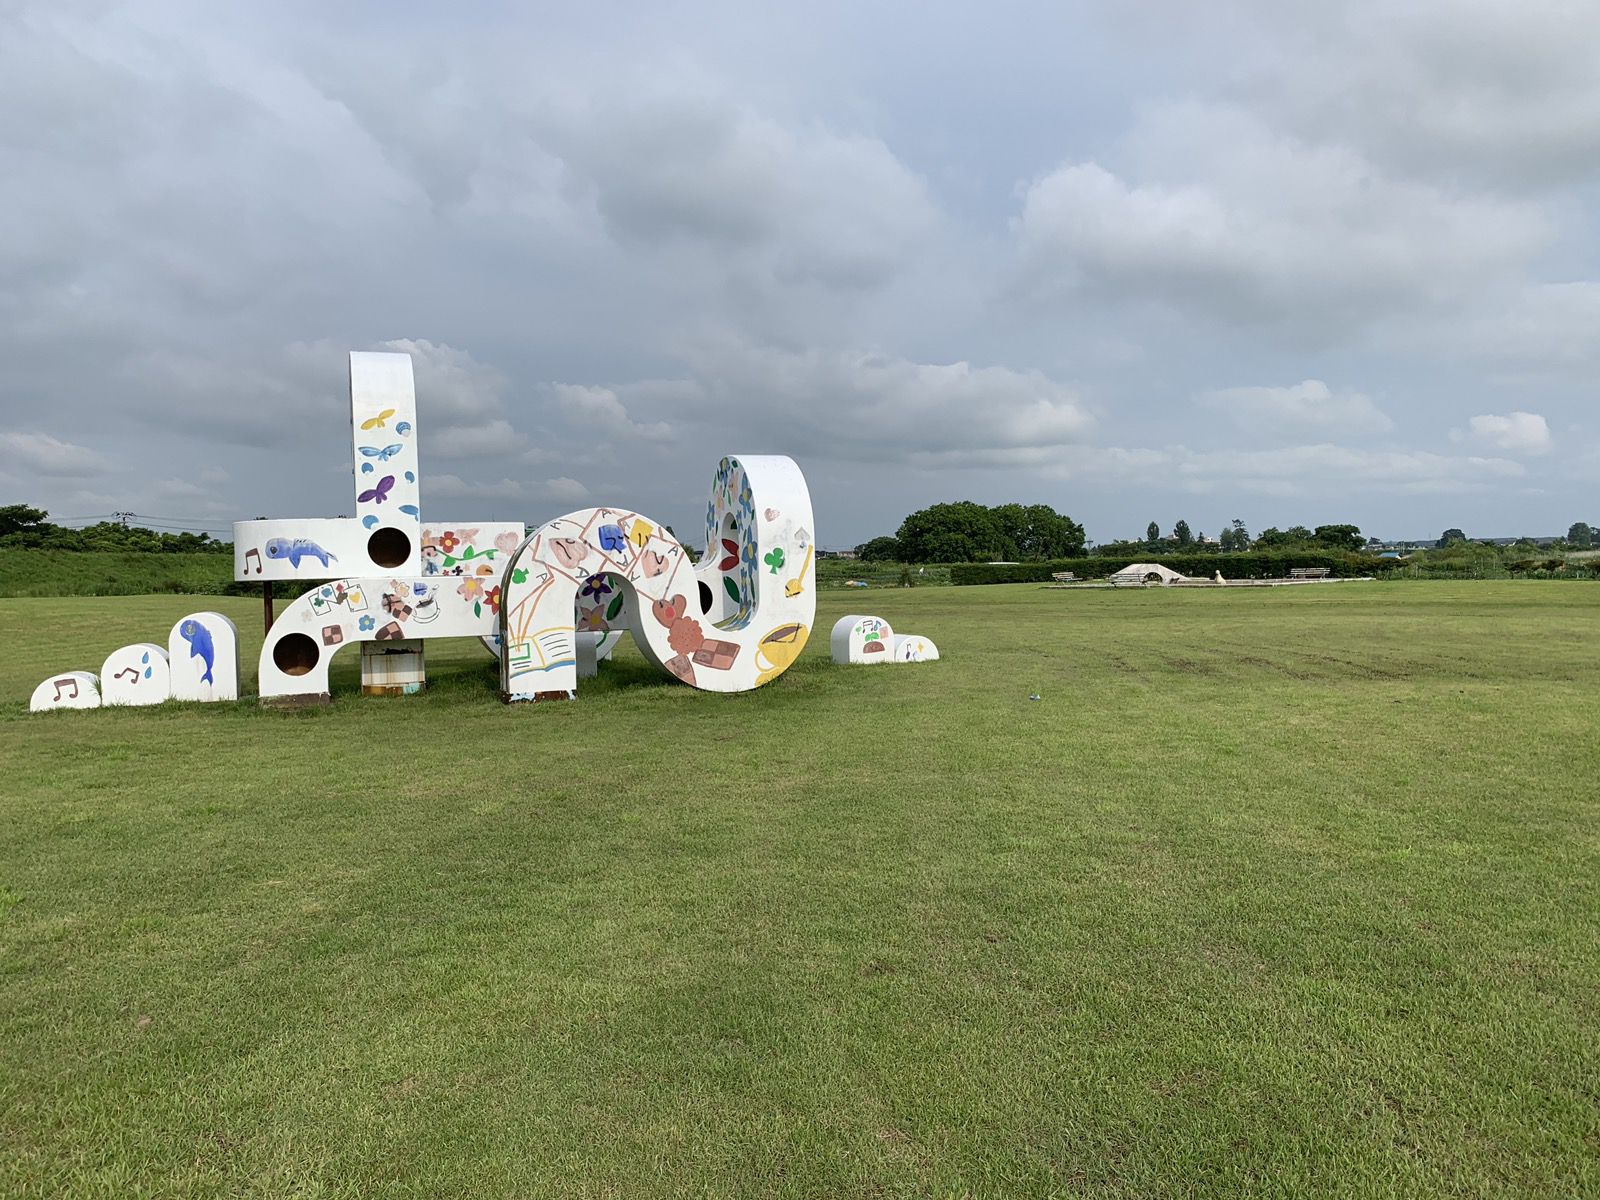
(1339, 537)
(1241, 535)
(1581, 534)
(958, 532)
(1227, 540)
(1450, 537)
(1152, 532)
(1181, 533)
(15, 518)
(879, 549)
(1037, 532)
(1295, 535)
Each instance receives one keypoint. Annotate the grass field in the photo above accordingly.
(1281, 892)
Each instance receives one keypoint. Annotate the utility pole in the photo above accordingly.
(124, 517)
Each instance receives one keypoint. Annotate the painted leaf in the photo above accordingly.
(732, 588)
(614, 607)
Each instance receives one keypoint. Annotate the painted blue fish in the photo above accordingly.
(200, 646)
(294, 549)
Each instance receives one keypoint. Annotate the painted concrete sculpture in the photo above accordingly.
(203, 654)
(864, 639)
(70, 689)
(734, 622)
(385, 535)
(913, 647)
(136, 675)
(858, 638)
(398, 578)
(552, 603)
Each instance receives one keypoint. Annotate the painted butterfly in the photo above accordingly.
(383, 455)
(377, 494)
(377, 421)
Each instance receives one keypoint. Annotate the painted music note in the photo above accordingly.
(255, 554)
(68, 682)
(128, 671)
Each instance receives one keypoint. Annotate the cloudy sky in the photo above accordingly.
(1265, 259)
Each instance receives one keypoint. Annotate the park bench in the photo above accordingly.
(1064, 577)
(1309, 572)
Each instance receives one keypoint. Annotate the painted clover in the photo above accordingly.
(774, 559)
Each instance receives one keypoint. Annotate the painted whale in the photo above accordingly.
(294, 549)
(200, 646)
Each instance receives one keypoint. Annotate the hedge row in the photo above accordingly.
(1264, 565)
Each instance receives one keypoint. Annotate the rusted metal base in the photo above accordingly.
(391, 689)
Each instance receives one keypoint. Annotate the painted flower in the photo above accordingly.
(492, 598)
(448, 541)
(507, 541)
(366, 624)
(730, 555)
(596, 586)
(471, 588)
(593, 619)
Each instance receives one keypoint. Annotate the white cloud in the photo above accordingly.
(1220, 216)
(506, 492)
(863, 406)
(1309, 408)
(599, 411)
(1513, 433)
(1321, 469)
(41, 454)
(686, 165)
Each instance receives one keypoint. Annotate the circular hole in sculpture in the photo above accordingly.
(388, 547)
(295, 654)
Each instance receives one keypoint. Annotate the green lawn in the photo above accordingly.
(1280, 892)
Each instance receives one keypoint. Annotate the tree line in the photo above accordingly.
(25, 527)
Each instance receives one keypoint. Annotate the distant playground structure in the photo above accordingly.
(1140, 575)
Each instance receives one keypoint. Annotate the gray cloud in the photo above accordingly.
(1043, 255)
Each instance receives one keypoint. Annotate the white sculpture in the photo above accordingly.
(203, 654)
(858, 638)
(70, 689)
(913, 647)
(733, 622)
(136, 675)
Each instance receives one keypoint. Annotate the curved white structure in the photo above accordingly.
(733, 622)
(859, 638)
(913, 647)
(203, 655)
(136, 675)
(70, 689)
